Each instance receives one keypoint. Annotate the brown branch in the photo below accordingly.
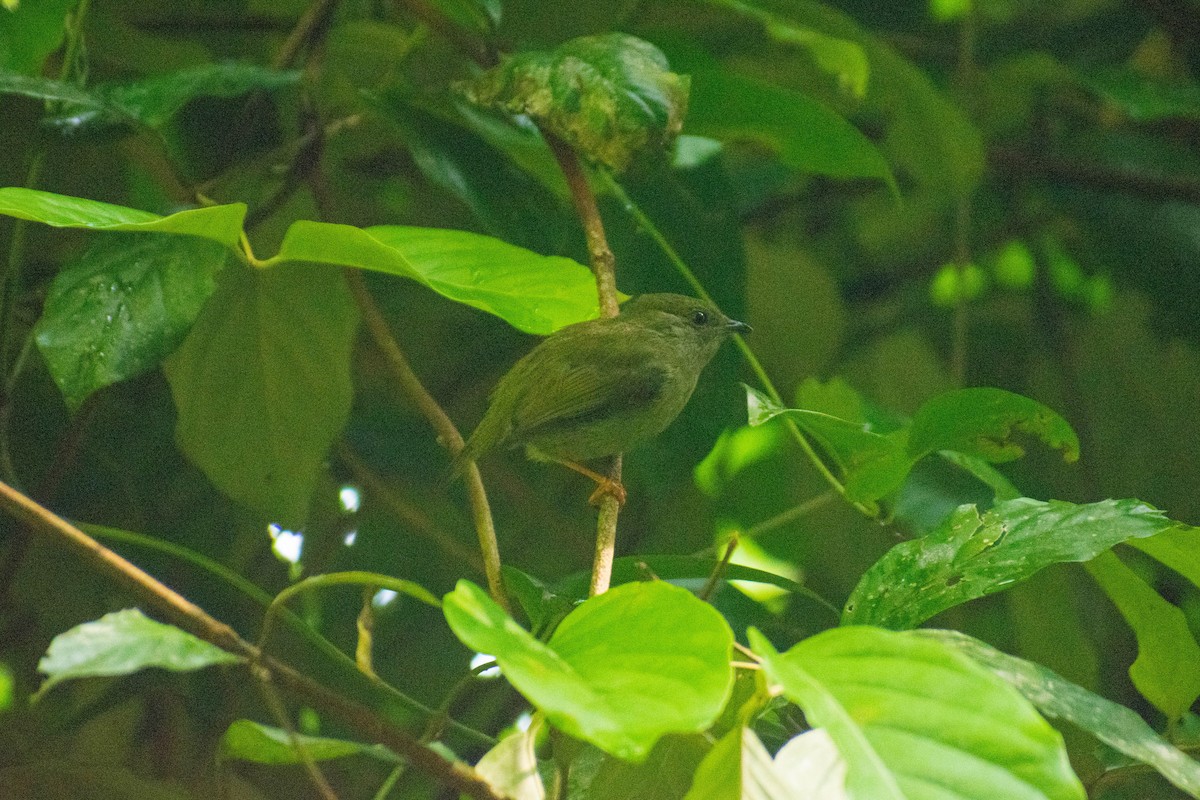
(1015, 163)
(309, 27)
(449, 436)
(193, 619)
(603, 266)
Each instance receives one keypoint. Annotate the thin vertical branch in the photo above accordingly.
(419, 396)
(965, 72)
(603, 266)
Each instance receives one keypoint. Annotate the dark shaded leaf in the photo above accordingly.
(262, 385)
(1116, 726)
(125, 305)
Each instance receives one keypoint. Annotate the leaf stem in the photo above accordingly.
(447, 433)
(647, 225)
(193, 619)
(603, 266)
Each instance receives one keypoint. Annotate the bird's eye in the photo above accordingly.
(699, 317)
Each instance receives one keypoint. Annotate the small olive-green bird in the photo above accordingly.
(598, 388)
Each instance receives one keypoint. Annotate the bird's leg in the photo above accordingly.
(604, 484)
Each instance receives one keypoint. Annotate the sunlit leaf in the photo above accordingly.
(125, 305)
(1177, 548)
(222, 224)
(1118, 727)
(739, 767)
(511, 767)
(622, 670)
(122, 643)
(973, 554)
(915, 721)
(1167, 668)
(811, 763)
(536, 294)
(609, 96)
(262, 385)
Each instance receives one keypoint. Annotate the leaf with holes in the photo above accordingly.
(973, 554)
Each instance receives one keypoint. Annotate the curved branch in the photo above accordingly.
(186, 615)
(447, 433)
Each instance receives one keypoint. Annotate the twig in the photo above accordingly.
(710, 585)
(603, 266)
(406, 511)
(193, 619)
(410, 384)
(314, 19)
(647, 225)
(965, 78)
(784, 517)
(1015, 163)
(275, 705)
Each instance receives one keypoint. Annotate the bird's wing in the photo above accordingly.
(591, 381)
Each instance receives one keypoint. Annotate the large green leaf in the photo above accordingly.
(622, 670)
(49, 90)
(666, 773)
(976, 423)
(1144, 97)
(803, 132)
(1167, 668)
(509, 202)
(1118, 727)
(609, 96)
(915, 719)
(533, 293)
(262, 384)
(124, 642)
(124, 306)
(222, 224)
(1178, 548)
(246, 740)
(972, 554)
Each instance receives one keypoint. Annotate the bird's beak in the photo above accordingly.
(738, 327)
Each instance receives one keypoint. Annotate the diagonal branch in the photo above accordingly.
(186, 615)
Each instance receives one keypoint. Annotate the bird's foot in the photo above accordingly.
(607, 487)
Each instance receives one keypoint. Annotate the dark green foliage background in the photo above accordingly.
(1040, 131)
